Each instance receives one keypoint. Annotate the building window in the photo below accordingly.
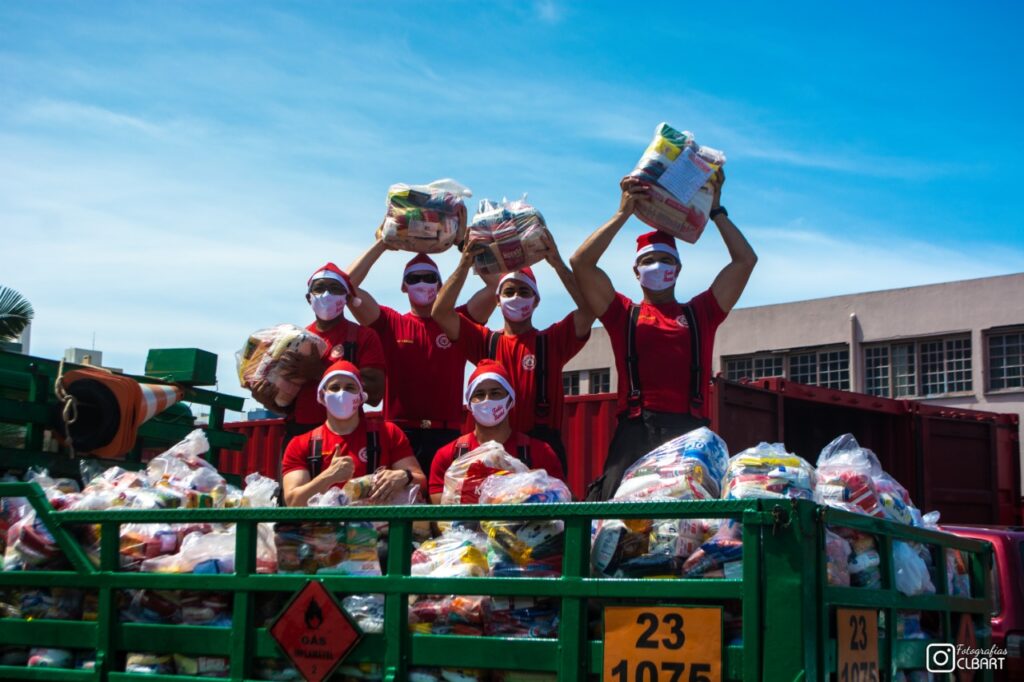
(1005, 360)
(753, 368)
(600, 381)
(571, 383)
(918, 369)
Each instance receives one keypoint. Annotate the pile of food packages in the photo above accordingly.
(259, 359)
(425, 218)
(679, 172)
(513, 235)
(693, 467)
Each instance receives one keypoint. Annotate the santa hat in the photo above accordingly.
(421, 263)
(490, 369)
(656, 241)
(332, 271)
(525, 276)
(340, 368)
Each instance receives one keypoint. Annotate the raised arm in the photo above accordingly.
(368, 312)
(582, 317)
(444, 312)
(482, 303)
(732, 280)
(593, 282)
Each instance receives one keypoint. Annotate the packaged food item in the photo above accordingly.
(43, 657)
(158, 607)
(367, 610)
(679, 172)
(520, 617)
(258, 359)
(895, 501)
(425, 218)
(837, 552)
(724, 547)
(864, 562)
(202, 666)
(346, 548)
(150, 664)
(467, 473)
(768, 471)
(513, 234)
(456, 552)
(911, 572)
(613, 544)
(846, 477)
(529, 487)
(200, 553)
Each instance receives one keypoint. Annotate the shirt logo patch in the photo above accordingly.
(338, 352)
(442, 341)
(529, 362)
(362, 455)
(681, 321)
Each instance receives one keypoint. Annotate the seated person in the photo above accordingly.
(347, 446)
(491, 399)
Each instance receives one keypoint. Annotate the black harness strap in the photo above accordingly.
(696, 371)
(315, 457)
(633, 362)
(372, 447)
(523, 453)
(542, 406)
(492, 344)
(351, 346)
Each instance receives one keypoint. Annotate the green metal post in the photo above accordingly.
(572, 628)
(242, 630)
(396, 605)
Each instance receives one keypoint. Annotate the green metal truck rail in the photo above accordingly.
(27, 399)
(787, 607)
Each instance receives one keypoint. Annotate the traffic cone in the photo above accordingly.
(110, 409)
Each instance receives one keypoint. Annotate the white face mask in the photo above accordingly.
(327, 306)
(517, 309)
(343, 404)
(423, 293)
(490, 412)
(657, 276)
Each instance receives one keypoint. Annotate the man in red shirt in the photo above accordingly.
(329, 289)
(425, 369)
(347, 446)
(491, 396)
(533, 357)
(663, 349)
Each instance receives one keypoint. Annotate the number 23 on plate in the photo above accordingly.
(662, 644)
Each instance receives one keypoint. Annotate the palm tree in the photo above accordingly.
(15, 313)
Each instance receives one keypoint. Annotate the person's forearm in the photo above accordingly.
(596, 244)
(739, 248)
(360, 267)
(443, 311)
(299, 497)
(569, 282)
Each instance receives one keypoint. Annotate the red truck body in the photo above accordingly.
(962, 463)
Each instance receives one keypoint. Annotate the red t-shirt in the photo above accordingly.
(369, 354)
(425, 370)
(541, 457)
(394, 447)
(517, 354)
(663, 349)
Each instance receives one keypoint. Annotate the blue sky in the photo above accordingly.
(170, 173)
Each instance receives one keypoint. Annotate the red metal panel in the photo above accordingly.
(262, 449)
(587, 428)
(745, 414)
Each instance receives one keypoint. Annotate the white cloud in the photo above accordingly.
(549, 11)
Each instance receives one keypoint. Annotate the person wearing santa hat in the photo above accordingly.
(662, 347)
(534, 358)
(347, 445)
(491, 397)
(328, 291)
(425, 369)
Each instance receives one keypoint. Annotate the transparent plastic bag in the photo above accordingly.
(768, 471)
(455, 553)
(467, 473)
(529, 487)
(260, 491)
(512, 234)
(846, 477)
(837, 553)
(683, 211)
(199, 553)
(911, 572)
(425, 218)
(699, 457)
(258, 359)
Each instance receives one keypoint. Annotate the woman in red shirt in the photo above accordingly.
(491, 398)
(347, 446)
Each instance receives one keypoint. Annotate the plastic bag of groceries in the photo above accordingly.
(467, 473)
(512, 233)
(425, 218)
(895, 501)
(457, 552)
(524, 548)
(767, 470)
(846, 477)
(258, 359)
(958, 579)
(912, 576)
(837, 554)
(679, 171)
(685, 468)
(720, 556)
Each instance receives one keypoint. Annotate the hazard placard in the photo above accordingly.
(314, 632)
(857, 645)
(662, 644)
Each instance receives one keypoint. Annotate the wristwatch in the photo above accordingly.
(408, 476)
(715, 212)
